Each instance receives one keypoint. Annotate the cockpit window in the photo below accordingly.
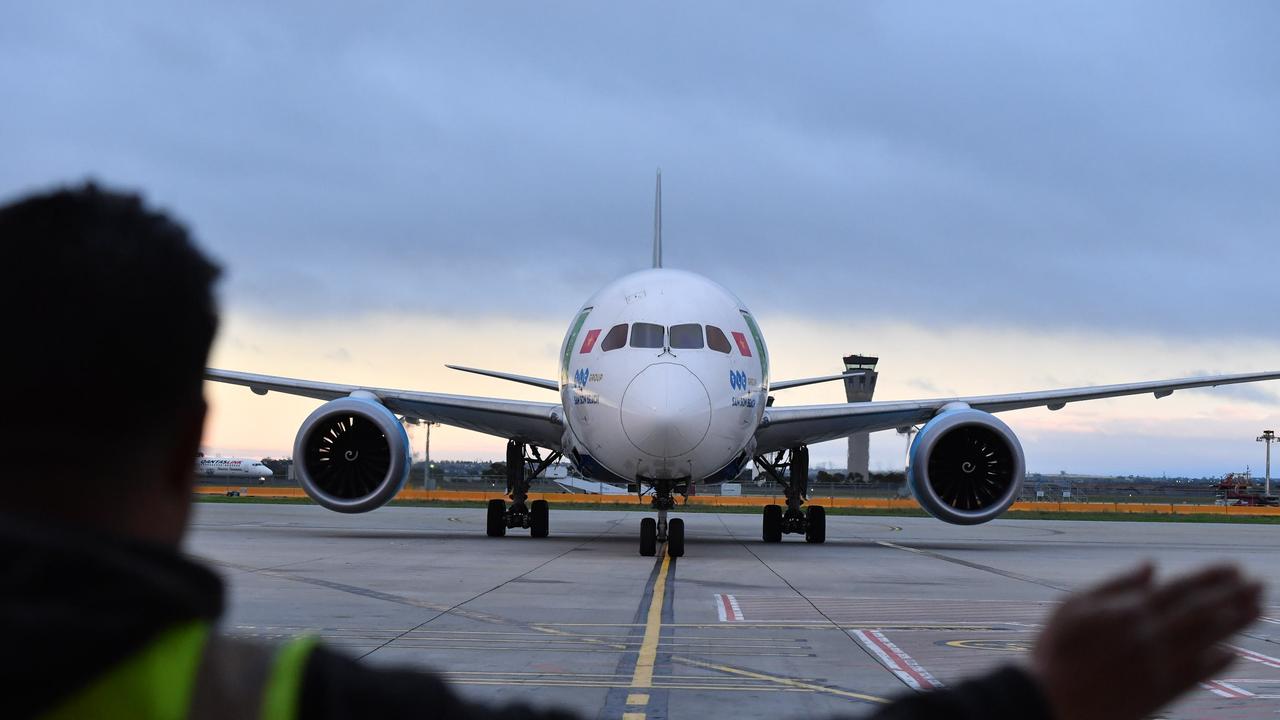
(616, 338)
(686, 337)
(647, 335)
(717, 341)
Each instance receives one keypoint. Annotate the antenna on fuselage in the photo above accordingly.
(657, 222)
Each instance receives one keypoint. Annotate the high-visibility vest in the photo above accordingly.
(190, 673)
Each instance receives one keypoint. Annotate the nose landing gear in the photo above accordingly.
(811, 521)
(661, 530)
(522, 514)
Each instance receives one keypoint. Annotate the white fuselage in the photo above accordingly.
(682, 395)
(232, 467)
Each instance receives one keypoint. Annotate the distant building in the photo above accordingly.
(859, 386)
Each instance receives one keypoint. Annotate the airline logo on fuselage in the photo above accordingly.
(739, 381)
(582, 396)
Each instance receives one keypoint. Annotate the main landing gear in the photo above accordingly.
(524, 463)
(660, 530)
(812, 522)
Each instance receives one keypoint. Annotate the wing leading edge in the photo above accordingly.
(532, 422)
(787, 427)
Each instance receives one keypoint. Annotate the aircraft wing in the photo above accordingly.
(524, 379)
(784, 384)
(532, 422)
(785, 427)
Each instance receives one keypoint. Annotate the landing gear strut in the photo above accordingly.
(524, 463)
(660, 530)
(812, 521)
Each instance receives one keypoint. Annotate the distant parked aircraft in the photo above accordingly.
(231, 467)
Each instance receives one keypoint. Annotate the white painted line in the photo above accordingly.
(1235, 688)
(1222, 688)
(898, 662)
(1273, 621)
(1215, 689)
(727, 609)
(737, 611)
(1256, 657)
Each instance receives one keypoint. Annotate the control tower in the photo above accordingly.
(859, 386)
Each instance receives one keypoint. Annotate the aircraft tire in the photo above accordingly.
(496, 521)
(648, 537)
(539, 519)
(675, 538)
(772, 524)
(816, 527)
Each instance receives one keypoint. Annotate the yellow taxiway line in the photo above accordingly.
(643, 677)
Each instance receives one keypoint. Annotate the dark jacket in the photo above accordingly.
(73, 604)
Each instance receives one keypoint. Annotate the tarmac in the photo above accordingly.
(580, 620)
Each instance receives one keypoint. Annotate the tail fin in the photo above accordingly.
(657, 223)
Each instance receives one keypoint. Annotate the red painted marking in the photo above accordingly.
(1256, 657)
(897, 661)
(727, 608)
(1225, 689)
(590, 342)
(904, 662)
(729, 614)
(743, 347)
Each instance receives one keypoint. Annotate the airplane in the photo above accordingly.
(231, 467)
(664, 384)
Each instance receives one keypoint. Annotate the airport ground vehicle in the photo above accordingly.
(1238, 489)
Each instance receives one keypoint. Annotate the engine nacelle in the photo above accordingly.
(352, 454)
(966, 467)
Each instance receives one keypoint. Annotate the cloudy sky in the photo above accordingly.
(994, 197)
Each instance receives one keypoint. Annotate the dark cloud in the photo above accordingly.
(1097, 166)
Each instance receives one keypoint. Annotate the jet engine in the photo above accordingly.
(352, 454)
(966, 466)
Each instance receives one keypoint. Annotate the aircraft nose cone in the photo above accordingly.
(666, 411)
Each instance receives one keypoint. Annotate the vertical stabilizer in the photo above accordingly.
(657, 222)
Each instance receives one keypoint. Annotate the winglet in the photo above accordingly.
(657, 222)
